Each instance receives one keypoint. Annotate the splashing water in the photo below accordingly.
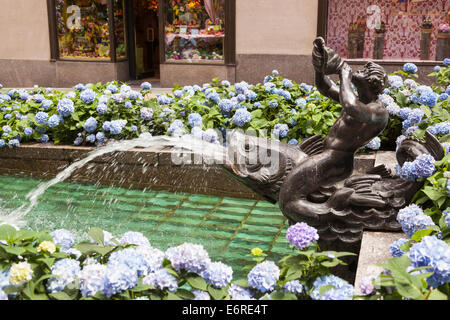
(211, 152)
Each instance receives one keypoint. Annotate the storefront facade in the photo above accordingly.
(60, 43)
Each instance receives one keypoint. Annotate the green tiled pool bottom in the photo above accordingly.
(228, 228)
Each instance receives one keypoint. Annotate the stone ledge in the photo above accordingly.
(374, 250)
(139, 167)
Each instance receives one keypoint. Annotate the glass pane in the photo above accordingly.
(119, 25)
(83, 31)
(195, 31)
(389, 29)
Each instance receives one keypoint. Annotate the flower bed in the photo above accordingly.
(48, 266)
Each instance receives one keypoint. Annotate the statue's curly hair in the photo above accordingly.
(377, 77)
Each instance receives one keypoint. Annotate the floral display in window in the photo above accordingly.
(82, 29)
(389, 29)
(119, 28)
(195, 31)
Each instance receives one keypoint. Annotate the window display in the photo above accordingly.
(82, 29)
(119, 27)
(195, 31)
(389, 29)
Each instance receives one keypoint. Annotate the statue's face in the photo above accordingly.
(360, 79)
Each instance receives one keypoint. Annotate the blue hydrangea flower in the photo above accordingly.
(65, 107)
(13, 143)
(2, 143)
(116, 126)
(437, 69)
(226, 106)
(433, 253)
(416, 115)
(67, 271)
(146, 114)
(287, 83)
(195, 120)
(251, 95)
(218, 274)
(178, 93)
(410, 67)
(395, 81)
(241, 87)
(241, 117)
(264, 276)
(92, 279)
(275, 72)
(113, 88)
(63, 238)
(87, 96)
(119, 278)
(80, 87)
(444, 96)
(161, 279)
(163, 100)
(78, 141)
(301, 102)
(102, 108)
(412, 219)
(46, 104)
(188, 256)
(53, 121)
(446, 62)
(90, 138)
(197, 133)
(3, 296)
(374, 144)
(301, 235)
(90, 125)
(41, 117)
(7, 116)
(428, 98)
(201, 295)
(153, 258)
(28, 131)
(38, 98)
(210, 135)
(294, 287)
(405, 112)
(280, 131)
(293, 142)
(394, 247)
(424, 165)
(225, 83)
(343, 290)
(239, 293)
(146, 86)
(131, 258)
(133, 237)
(145, 135)
(100, 136)
(176, 128)
(6, 129)
(273, 104)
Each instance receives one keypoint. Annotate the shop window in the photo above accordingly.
(389, 29)
(119, 27)
(194, 31)
(82, 29)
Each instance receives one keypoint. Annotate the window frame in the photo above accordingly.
(229, 49)
(54, 41)
(322, 30)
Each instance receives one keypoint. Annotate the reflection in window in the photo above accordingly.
(119, 25)
(389, 29)
(82, 29)
(195, 30)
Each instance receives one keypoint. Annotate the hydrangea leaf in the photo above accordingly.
(217, 294)
(197, 282)
(7, 232)
(242, 283)
(185, 294)
(97, 235)
(280, 295)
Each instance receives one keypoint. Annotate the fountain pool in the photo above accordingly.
(227, 227)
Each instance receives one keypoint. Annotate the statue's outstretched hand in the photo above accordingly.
(318, 58)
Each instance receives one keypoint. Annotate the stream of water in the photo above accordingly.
(209, 151)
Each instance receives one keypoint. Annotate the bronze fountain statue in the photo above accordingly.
(313, 182)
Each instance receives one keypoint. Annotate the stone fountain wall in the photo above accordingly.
(149, 168)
